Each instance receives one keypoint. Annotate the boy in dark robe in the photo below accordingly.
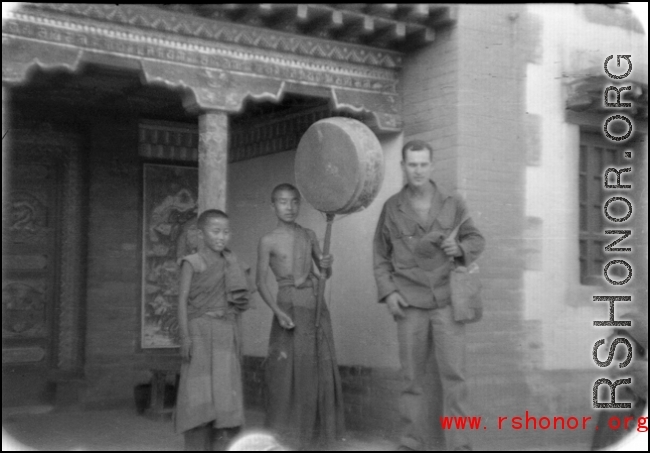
(214, 290)
(304, 387)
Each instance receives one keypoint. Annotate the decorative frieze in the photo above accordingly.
(169, 141)
(275, 135)
(147, 18)
(130, 44)
(216, 77)
(265, 135)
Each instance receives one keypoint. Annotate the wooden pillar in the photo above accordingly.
(6, 154)
(5, 144)
(5, 111)
(213, 160)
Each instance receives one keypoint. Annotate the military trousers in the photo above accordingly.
(432, 335)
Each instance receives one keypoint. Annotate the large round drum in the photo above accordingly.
(339, 165)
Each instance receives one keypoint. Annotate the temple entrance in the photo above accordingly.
(65, 129)
(77, 275)
(31, 252)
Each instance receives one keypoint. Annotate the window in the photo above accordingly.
(596, 154)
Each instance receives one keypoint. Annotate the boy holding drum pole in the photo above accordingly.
(304, 387)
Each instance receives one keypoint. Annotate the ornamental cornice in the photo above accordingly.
(184, 25)
(216, 76)
(154, 46)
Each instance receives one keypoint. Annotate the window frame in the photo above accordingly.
(596, 154)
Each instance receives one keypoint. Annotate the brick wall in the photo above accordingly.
(114, 362)
(492, 51)
(429, 84)
(464, 94)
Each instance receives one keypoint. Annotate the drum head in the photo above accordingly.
(339, 165)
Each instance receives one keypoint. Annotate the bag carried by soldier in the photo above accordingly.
(465, 285)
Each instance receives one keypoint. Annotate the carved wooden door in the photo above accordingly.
(30, 252)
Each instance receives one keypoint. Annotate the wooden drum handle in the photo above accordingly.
(323, 278)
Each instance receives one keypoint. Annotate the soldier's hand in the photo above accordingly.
(186, 349)
(285, 321)
(451, 247)
(395, 302)
(326, 261)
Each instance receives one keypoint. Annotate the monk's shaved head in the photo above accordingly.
(284, 187)
(210, 214)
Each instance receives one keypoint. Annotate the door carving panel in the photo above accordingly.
(43, 251)
(31, 226)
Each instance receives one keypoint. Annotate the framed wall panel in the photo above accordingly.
(169, 232)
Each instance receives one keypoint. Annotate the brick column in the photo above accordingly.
(213, 160)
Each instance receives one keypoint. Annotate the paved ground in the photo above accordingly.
(42, 428)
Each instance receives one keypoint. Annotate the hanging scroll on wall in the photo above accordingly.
(168, 233)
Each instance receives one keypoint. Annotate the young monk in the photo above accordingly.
(304, 387)
(214, 290)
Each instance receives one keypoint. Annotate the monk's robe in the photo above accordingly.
(305, 403)
(210, 388)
